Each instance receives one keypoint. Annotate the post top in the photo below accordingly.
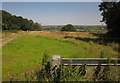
(56, 57)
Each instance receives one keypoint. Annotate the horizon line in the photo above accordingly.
(74, 24)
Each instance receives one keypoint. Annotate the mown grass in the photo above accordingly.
(25, 52)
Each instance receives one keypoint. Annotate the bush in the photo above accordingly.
(68, 27)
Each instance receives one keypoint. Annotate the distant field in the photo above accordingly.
(26, 51)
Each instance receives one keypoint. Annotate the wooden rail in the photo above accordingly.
(56, 60)
(91, 62)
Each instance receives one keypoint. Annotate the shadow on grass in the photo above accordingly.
(103, 39)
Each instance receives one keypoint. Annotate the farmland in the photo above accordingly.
(25, 53)
(60, 41)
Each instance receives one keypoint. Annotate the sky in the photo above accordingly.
(58, 0)
(56, 13)
(53, 0)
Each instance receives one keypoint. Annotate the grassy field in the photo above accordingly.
(25, 52)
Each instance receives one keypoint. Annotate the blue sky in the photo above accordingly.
(56, 13)
(53, 0)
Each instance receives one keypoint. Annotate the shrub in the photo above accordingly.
(68, 27)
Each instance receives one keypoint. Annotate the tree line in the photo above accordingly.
(13, 22)
(111, 16)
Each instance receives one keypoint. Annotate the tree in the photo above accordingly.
(111, 16)
(13, 22)
(37, 26)
(68, 27)
(6, 20)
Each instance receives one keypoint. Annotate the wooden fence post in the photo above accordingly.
(56, 61)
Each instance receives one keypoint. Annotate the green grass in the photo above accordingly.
(26, 52)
